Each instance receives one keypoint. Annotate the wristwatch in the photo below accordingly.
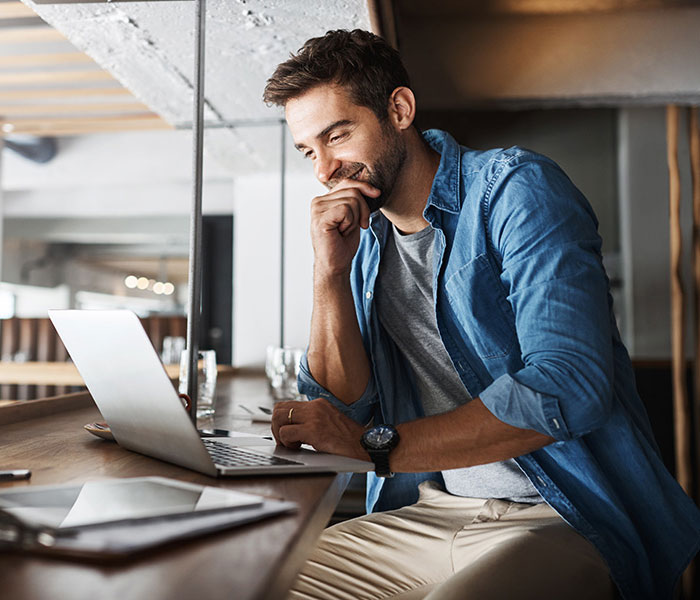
(379, 441)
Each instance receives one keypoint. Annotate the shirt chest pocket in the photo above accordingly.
(476, 297)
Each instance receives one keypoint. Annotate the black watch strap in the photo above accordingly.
(381, 463)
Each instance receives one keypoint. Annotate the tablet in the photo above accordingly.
(67, 507)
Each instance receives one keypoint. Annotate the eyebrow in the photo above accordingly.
(327, 130)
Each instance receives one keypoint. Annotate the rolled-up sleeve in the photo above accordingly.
(361, 411)
(521, 406)
(544, 233)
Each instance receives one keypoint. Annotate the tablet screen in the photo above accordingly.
(96, 502)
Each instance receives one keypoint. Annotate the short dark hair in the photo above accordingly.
(359, 60)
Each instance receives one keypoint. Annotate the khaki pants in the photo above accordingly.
(446, 547)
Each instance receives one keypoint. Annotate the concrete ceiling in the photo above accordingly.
(149, 48)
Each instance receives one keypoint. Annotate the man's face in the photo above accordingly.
(346, 141)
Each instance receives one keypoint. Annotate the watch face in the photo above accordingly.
(380, 436)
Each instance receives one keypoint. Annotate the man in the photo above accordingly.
(462, 336)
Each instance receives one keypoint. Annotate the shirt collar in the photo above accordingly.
(445, 191)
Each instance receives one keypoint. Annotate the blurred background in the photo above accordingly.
(95, 171)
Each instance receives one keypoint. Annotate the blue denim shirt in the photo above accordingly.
(523, 307)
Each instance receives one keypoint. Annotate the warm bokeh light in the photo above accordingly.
(143, 283)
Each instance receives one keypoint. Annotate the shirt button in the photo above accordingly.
(368, 295)
(542, 482)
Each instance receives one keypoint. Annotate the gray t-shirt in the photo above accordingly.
(404, 302)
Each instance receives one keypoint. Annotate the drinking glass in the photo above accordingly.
(206, 380)
(282, 369)
(172, 349)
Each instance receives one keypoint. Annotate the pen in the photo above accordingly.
(14, 474)
(267, 411)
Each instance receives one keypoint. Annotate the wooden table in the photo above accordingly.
(257, 561)
(64, 373)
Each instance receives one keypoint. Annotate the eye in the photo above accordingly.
(308, 154)
(337, 137)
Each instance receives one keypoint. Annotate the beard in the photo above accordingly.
(382, 174)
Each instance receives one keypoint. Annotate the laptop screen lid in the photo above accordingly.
(130, 386)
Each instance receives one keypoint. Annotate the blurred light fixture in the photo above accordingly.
(143, 283)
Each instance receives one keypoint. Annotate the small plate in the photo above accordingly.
(101, 430)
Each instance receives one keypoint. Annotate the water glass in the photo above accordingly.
(206, 381)
(282, 369)
(172, 349)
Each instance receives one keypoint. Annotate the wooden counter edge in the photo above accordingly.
(65, 373)
(14, 411)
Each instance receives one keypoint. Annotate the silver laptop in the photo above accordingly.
(129, 384)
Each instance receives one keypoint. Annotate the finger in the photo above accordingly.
(281, 412)
(354, 219)
(341, 213)
(341, 218)
(292, 436)
(279, 418)
(364, 187)
(339, 194)
(364, 214)
(356, 197)
(282, 407)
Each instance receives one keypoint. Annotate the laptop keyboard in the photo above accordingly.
(235, 456)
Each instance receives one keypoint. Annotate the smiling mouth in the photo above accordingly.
(340, 176)
(356, 174)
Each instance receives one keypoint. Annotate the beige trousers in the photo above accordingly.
(446, 547)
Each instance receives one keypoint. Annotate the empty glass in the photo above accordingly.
(282, 369)
(172, 349)
(206, 381)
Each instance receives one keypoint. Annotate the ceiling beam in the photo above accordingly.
(77, 131)
(27, 35)
(44, 93)
(15, 10)
(81, 125)
(54, 77)
(8, 111)
(44, 60)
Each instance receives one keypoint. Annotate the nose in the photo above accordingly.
(325, 166)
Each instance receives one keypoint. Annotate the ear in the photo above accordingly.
(402, 107)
